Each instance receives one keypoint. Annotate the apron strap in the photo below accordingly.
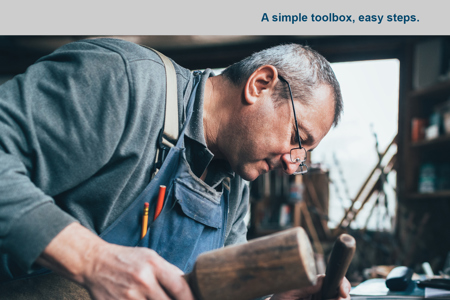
(170, 120)
(170, 129)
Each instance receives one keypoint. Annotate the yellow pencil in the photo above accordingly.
(144, 221)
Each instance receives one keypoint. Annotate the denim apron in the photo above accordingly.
(192, 221)
(193, 218)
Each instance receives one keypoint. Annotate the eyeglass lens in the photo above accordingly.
(298, 155)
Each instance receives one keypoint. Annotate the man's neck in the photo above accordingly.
(216, 110)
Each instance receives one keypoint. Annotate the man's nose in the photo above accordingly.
(288, 166)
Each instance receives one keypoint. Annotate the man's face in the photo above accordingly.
(264, 133)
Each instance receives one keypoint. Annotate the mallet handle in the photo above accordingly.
(340, 259)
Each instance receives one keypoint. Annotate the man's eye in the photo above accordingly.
(294, 139)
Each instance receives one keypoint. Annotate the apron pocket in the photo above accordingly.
(202, 207)
(191, 224)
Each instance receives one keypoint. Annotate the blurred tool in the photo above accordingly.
(399, 278)
(427, 269)
(371, 185)
(437, 283)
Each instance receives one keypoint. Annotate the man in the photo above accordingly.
(79, 135)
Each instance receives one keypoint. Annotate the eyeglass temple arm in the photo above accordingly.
(293, 108)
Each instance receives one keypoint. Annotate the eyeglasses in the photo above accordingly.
(297, 155)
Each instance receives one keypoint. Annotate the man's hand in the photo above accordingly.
(110, 271)
(313, 292)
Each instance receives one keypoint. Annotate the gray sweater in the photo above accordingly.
(78, 137)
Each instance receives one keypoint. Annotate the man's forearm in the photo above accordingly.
(71, 252)
(111, 271)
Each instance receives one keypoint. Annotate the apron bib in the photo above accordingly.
(193, 218)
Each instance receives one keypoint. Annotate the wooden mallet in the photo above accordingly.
(271, 264)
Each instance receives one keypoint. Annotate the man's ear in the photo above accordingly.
(261, 83)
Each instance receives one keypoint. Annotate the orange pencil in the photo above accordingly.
(144, 221)
(160, 203)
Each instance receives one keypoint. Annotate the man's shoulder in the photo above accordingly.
(115, 49)
(131, 51)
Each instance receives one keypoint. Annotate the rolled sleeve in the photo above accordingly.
(29, 220)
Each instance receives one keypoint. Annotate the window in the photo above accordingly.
(370, 93)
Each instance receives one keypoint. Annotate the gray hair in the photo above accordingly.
(304, 68)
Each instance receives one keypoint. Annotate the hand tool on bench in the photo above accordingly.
(340, 259)
(263, 266)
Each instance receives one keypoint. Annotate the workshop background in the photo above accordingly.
(383, 175)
